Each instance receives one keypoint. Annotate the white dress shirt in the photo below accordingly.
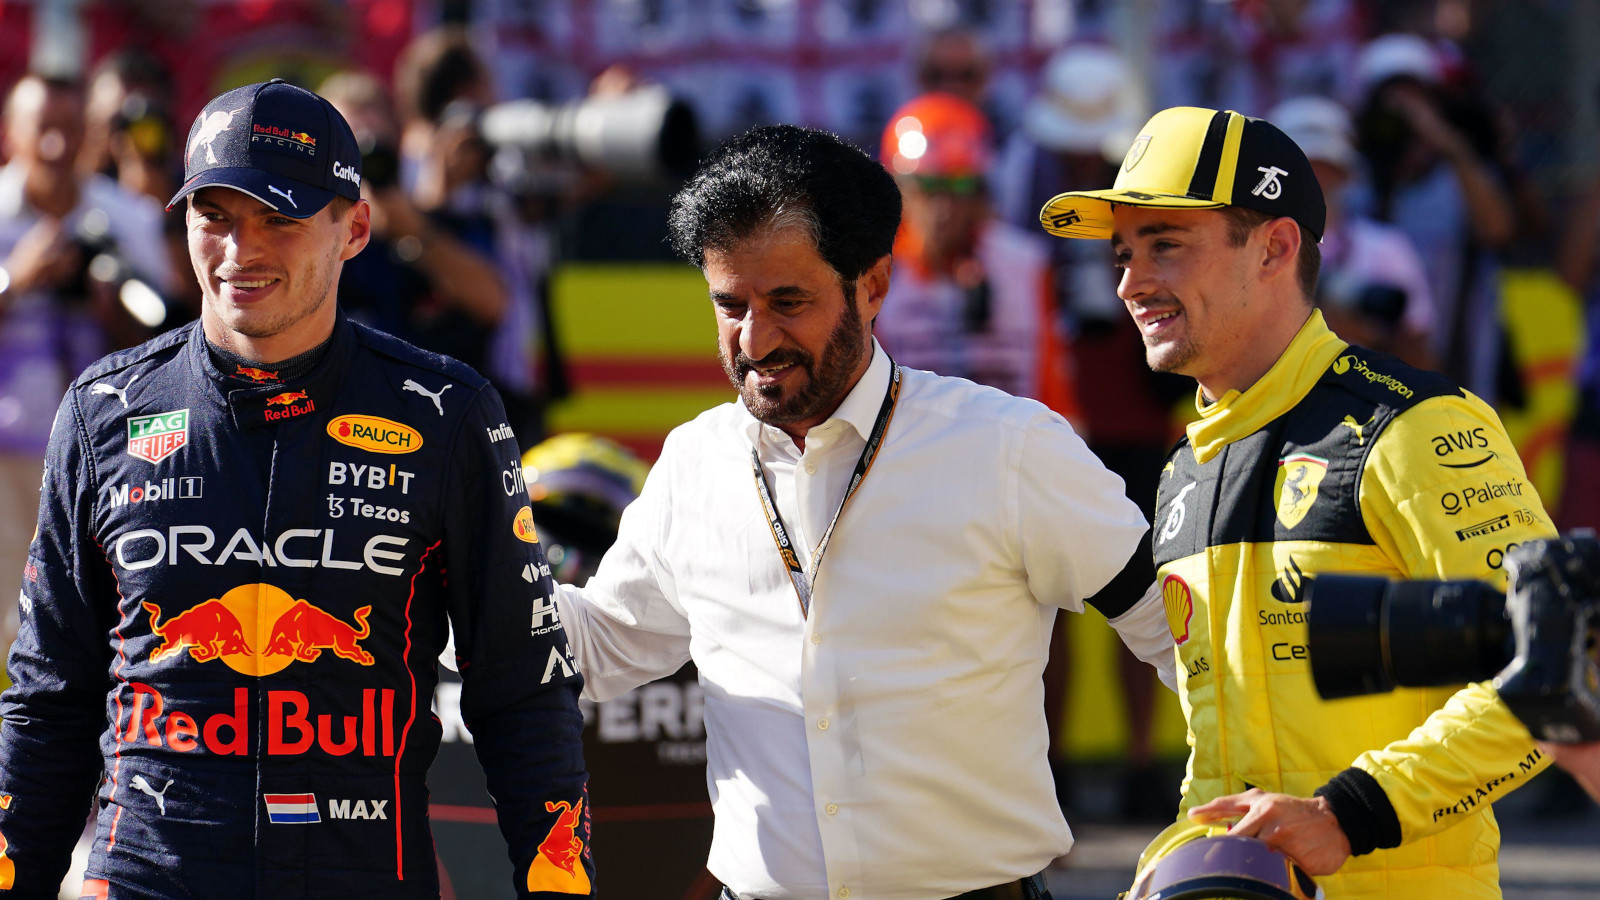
(890, 745)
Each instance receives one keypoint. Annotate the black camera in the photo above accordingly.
(1539, 642)
(643, 135)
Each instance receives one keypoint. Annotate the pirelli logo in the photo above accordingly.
(1498, 523)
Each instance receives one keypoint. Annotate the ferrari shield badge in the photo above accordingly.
(1296, 486)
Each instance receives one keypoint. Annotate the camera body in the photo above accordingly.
(1539, 642)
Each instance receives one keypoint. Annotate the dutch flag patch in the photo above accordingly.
(291, 809)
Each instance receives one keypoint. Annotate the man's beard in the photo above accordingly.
(826, 384)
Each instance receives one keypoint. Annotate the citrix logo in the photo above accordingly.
(348, 173)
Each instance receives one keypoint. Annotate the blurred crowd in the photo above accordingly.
(1457, 212)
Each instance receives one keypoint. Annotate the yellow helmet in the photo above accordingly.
(1191, 860)
(579, 485)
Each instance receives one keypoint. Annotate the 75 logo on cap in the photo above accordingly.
(156, 437)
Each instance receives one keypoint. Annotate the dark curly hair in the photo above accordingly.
(787, 175)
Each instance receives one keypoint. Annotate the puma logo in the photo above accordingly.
(139, 784)
(1353, 425)
(410, 385)
(121, 393)
(287, 195)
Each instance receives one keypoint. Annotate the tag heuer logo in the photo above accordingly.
(154, 438)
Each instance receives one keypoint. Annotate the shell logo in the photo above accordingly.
(1180, 607)
(374, 433)
(522, 526)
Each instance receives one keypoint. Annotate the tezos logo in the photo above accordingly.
(348, 173)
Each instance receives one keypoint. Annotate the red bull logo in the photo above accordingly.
(305, 631)
(8, 867)
(258, 629)
(286, 398)
(292, 728)
(207, 631)
(558, 866)
(284, 133)
(259, 376)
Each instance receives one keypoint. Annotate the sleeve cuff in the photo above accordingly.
(1364, 812)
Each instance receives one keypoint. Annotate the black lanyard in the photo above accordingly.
(780, 534)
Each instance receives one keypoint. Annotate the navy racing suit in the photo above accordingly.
(240, 587)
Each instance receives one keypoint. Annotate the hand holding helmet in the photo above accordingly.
(1191, 860)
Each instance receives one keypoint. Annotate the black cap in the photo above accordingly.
(1192, 158)
(279, 143)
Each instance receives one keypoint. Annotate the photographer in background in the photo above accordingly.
(441, 90)
(1430, 151)
(1373, 288)
(414, 280)
(57, 312)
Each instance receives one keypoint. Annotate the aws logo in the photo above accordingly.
(258, 629)
(374, 433)
(1179, 603)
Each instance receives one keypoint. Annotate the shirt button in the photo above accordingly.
(822, 724)
(844, 893)
(811, 469)
(816, 639)
(832, 808)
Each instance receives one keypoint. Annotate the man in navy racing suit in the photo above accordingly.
(252, 534)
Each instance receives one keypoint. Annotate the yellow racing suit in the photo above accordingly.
(1344, 460)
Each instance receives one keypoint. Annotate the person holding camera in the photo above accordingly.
(55, 318)
(1309, 456)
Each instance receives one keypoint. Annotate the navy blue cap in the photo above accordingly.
(279, 143)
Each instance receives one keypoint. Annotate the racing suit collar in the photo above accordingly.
(1237, 414)
(271, 400)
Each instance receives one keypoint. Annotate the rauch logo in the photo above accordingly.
(374, 433)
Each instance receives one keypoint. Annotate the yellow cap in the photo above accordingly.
(1187, 157)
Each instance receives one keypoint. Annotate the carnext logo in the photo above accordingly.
(348, 173)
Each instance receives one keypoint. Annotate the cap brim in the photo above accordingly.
(295, 199)
(1087, 214)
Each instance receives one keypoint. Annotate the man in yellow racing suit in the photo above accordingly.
(1310, 456)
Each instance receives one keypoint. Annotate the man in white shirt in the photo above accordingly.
(863, 561)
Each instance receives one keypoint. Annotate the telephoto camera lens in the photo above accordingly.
(1371, 635)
